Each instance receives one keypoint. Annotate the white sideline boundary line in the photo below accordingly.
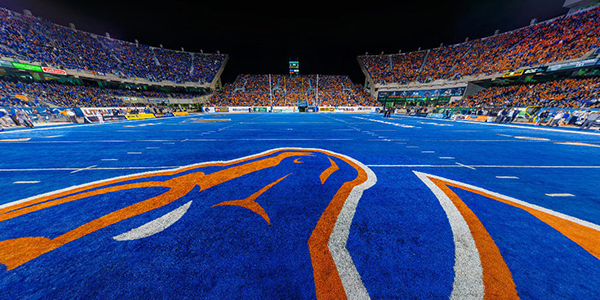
(509, 125)
(484, 166)
(370, 166)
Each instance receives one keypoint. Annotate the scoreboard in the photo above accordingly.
(294, 67)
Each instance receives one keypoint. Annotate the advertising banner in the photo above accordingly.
(573, 65)
(476, 118)
(326, 109)
(211, 109)
(284, 109)
(240, 109)
(139, 116)
(436, 116)
(163, 115)
(442, 94)
(94, 111)
(513, 73)
(113, 117)
(158, 100)
(54, 71)
(28, 67)
(261, 109)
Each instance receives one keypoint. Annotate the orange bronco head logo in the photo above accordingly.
(333, 270)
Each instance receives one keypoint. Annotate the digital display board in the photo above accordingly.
(294, 67)
(573, 65)
(442, 94)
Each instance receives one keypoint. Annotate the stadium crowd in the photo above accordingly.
(14, 93)
(563, 38)
(34, 39)
(565, 93)
(283, 90)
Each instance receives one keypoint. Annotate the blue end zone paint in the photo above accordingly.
(400, 239)
(544, 263)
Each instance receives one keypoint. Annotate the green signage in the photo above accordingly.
(28, 67)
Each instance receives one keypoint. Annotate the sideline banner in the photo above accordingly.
(284, 109)
(326, 109)
(262, 109)
(240, 109)
(216, 109)
(349, 109)
(163, 115)
(111, 117)
(436, 116)
(139, 116)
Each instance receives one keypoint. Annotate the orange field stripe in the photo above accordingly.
(328, 284)
(587, 238)
(497, 278)
(328, 171)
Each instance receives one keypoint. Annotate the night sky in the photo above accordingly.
(325, 38)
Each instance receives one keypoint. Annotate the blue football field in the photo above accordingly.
(299, 206)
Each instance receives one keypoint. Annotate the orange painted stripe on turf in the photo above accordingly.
(587, 238)
(16, 252)
(115, 181)
(497, 278)
(328, 171)
(250, 202)
(328, 284)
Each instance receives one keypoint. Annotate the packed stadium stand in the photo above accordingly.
(565, 92)
(563, 38)
(542, 67)
(284, 90)
(35, 40)
(19, 93)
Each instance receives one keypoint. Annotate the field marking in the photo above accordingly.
(446, 157)
(83, 169)
(15, 140)
(524, 126)
(26, 182)
(87, 169)
(427, 151)
(135, 153)
(152, 147)
(531, 138)
(470, 167)
(109, 159)
(155, 226)
(484, 166)
(468, 271)
(560, 195)
(172, 142)
(507, 177)
(388, 123)
(577, 144)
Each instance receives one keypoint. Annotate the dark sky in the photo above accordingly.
(326, 38)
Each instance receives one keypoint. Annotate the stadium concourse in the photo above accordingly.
(159, 181)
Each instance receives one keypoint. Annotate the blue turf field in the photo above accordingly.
(402, 242)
